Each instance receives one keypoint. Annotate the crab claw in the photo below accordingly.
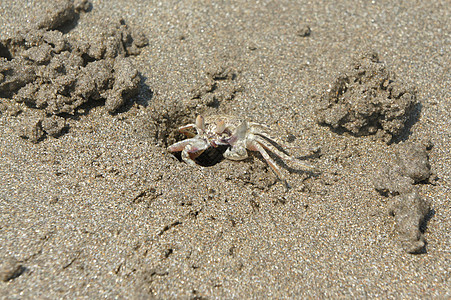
(179, 146)
(191, 148)
(194, 143)
(239, 135)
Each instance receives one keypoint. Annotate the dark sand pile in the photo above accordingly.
(93, 205)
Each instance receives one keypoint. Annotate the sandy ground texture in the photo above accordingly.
(92, 203)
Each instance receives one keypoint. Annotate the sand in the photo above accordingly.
(93, 205)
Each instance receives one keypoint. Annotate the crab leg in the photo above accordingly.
(199, 126)
(264, 128)
(261, 129)
(184, 130)
(279, 153)
(179, 146)
(255, 146)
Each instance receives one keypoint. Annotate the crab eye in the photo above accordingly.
(220, 127)
(200, 124)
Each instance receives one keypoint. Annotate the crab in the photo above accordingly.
(239, 134)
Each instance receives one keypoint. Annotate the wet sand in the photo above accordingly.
(93, 205)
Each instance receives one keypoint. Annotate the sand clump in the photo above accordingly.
(365, 99)
(54, 74)
(399, 183)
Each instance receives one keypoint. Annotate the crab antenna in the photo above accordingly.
(220, 127)
(200, 124)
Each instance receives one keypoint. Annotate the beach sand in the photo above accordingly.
(93, 205)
